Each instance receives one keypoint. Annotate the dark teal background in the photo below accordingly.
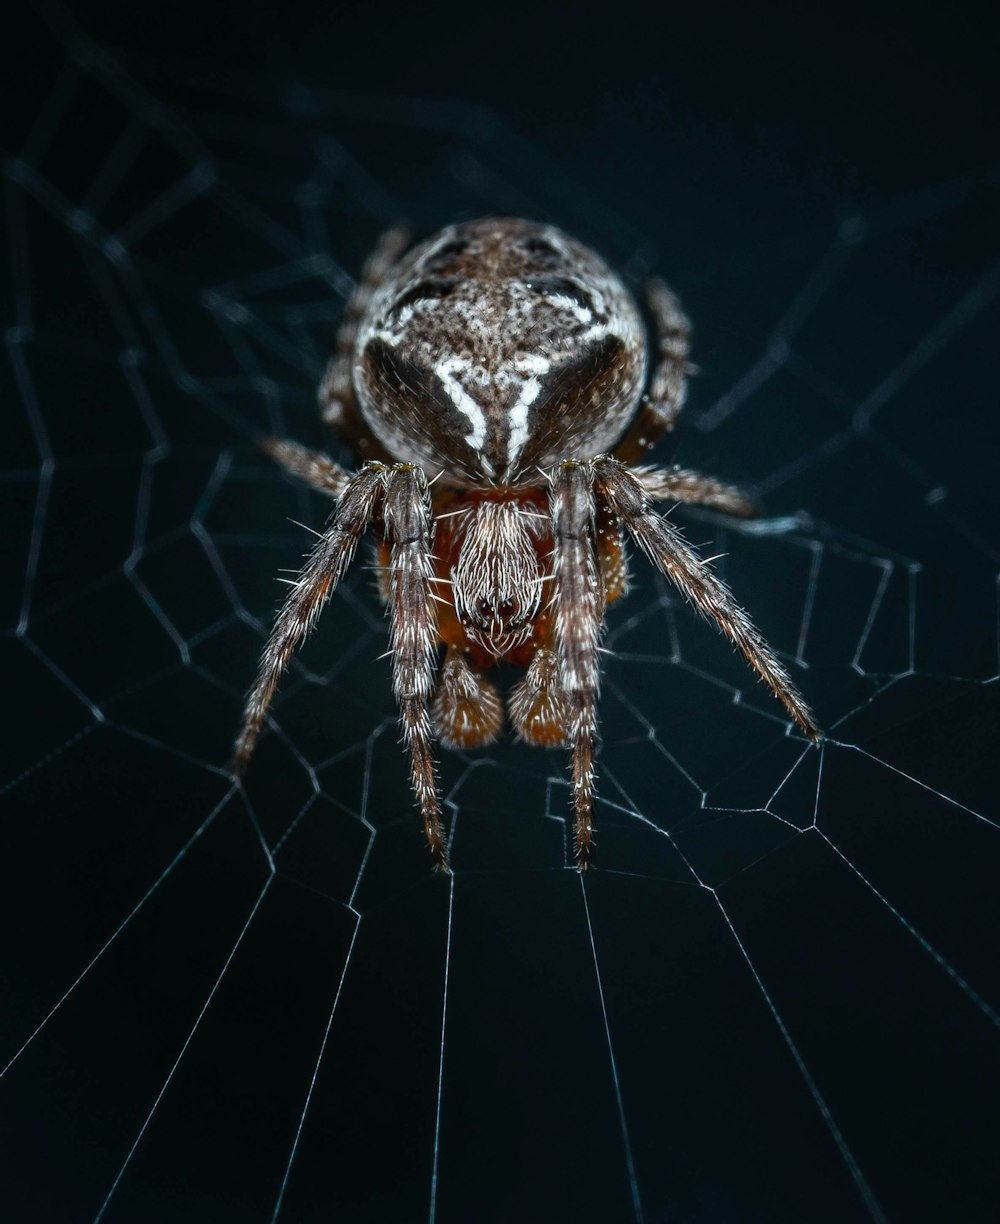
(775, 996)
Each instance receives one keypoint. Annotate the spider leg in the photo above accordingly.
(579, 605)
(298, 617)
(682, 485)
(336, 391)
(311, 467)
(609, 543)
(409, 526)
(662, 405)
(670, 554)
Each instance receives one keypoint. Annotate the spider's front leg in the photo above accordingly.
(298, 617)
(409, 528)
(679, 562)
(579, 602)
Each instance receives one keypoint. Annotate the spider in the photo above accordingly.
(502, 363)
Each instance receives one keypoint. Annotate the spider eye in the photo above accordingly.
(506, 608)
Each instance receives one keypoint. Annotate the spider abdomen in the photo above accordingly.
(498, 346)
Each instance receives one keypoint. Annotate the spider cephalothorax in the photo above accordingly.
(500, 361)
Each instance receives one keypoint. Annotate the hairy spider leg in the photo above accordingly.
(297, 618)
(538, 704)
(609, 544)
(682, 485)
(579, 606)
(312, 467)
(662, 405)
(402, 491)
(680, 563)
(409, 529)
(338, 406)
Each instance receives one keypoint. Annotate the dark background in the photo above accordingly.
(775, 996)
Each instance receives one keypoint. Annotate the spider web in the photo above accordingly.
(775, 996)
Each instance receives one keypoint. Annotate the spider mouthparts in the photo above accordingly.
(499, 642)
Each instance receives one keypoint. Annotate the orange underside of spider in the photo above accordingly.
(473, 716)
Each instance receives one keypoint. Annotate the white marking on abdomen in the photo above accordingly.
(463, 401)
(536, 366)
